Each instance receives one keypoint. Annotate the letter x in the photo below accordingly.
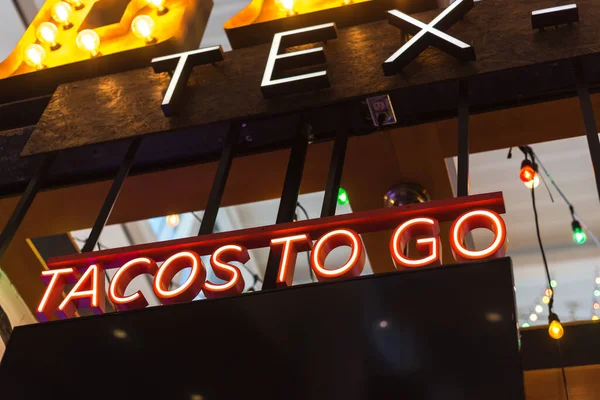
(428, 35)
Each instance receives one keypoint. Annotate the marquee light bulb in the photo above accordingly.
(47, 33)
(535, 182)
(61, 13)
(579, 235)
(533, 317)
(77, 4)
(343, 198)
(88, 40)
(35, 56)
(159, 5)
(287, 6)
(173, 220)
(143, 28)
(539, 309)
(556, 330)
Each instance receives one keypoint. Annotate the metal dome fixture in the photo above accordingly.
(405, 193)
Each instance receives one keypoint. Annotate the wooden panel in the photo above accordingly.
(128, 104)
(547, 384)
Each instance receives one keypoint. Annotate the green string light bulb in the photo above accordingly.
(579, 235)
(343, 198)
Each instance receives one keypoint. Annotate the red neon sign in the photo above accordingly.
(419, 222)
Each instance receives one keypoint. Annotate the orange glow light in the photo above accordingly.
(92, 297)
(56, 281)
(340, 237)
(120, 281)
(291, 246)
(167, 271)
(410, 229)
(219, 262)
(478, 219)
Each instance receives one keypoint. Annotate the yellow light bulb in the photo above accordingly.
(159, 5)
(47, 33)
(533, 183)
(545, 299)
(61, 13)
(288, 6)
(143, 28)
(77, 4)
(35, 56)
(173, 220)
(595, 318)
(556, 330)
(88, 40)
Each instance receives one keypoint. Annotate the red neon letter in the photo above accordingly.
(93, 297)
(478, 219)
(410, 229)
(219, 263)
(56, 280)
(291, 246)
(167, 271)
(341, 237)
(124, 275)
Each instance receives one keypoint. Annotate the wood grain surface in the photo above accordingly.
(128, 104)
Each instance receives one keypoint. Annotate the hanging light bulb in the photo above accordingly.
(535, 182)
(77, 4)
(159, 5)
(596, 306)
(35, 56)
(61, 13)
(526, 325)
(553, 283)
(598, 280)
(539, 309)
(287, 6)
(548, 292)
(173, 220)
(47, 33)
(88, 40)
(343, 198)
(143, 28)
(595, 317)
(597, 293)
(555, 329)
(533, 317)
(545, 299)
(579, 235)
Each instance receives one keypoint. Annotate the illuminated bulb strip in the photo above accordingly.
(192, 286)
(484, 218)
(340, 237)
(433, 243)
(224, 271)
(128, 271)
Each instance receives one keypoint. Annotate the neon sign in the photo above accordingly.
(414, 222)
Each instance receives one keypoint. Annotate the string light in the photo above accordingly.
(47, 33)
(535, 182)
(142, 27)
(533, 317)
(343, 198)
(526, 325)
(77, 4)
(35, 56)
(528, 173)
(555, 328)
(598, 280)
(595, 317)
(539, 309)
(61, 13)
(596, 292)
(173, 220)
(579, 235)
(88, 40)
(287, 6)
(160, 6)
(596, 306)
(553, 283)
(548, 292)
(545, 299)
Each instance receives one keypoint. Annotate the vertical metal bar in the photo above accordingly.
(336, 167)
(216, 193)
(589, 120)
(289, 195)
(112, 195)
(463, 138)
(25, 202)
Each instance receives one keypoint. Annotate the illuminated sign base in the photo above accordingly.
(319, 236)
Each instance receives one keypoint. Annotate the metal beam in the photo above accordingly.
(112, 196)
(289, 195)
(25, 202)
(589, 119)
(336, 167)
(216, 193)
(463, 138)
